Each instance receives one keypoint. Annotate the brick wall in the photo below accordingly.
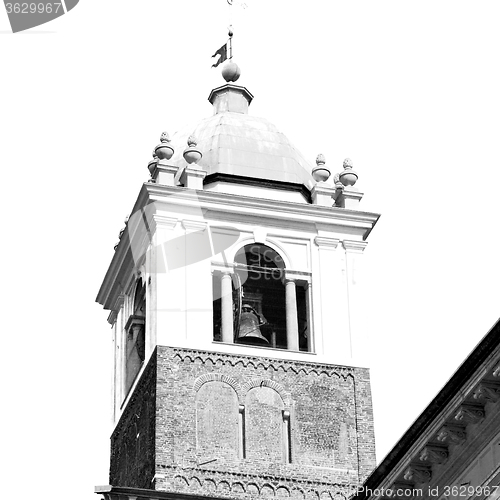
(133, 441)
(235, 426)
(216, 421)
(221, 426)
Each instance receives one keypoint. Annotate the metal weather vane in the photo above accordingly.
(222, 52)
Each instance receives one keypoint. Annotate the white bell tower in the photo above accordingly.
(234, 272)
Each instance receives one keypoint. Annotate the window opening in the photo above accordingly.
(259, 308)
(135, 335)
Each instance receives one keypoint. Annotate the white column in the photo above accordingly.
(227, 308)
(292, 327)
(286, 437)
(329, 302)
(241, 431)
(356, 334)
(310, 323)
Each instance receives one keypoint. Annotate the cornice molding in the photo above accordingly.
(455, 427)
(238, 203)
(433, 454)
(164, 221)
(354, 246)
(194, 225)
(487, 391)
(416, 473)
(284, 364)
(322, 241)
(112, 317)
(470, 414)
(228, 207)
(119, 302)
(451, 434)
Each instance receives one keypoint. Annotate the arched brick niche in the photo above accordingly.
(325, 431)
(216, 421)
(264, 436)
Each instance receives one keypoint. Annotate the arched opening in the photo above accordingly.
(265, 307)
(259, 277)
(135, 334)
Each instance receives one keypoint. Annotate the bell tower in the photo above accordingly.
(229, 296)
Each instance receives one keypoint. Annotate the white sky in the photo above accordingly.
(408, 90)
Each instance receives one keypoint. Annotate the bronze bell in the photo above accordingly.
(250, 322)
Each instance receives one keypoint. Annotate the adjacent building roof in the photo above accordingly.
(464, 414)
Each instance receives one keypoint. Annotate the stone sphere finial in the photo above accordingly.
(192, 154)
(348, 177)
(231, 72)
(347, 163)
(164, 150)
(152, 164)
(320, 173)
(336, 181)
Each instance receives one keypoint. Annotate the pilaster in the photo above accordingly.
(353, 249)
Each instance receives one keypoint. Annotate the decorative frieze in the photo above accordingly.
(402, 489)
(218, 358)
(433, 454)
(236, 485)
(452, 434)
(469, 414)
(418, 474)
(487, 391)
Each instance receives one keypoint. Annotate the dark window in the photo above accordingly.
(135, 335)
(259, 304)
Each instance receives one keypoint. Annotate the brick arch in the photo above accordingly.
(237, 488)
(298, 493)
(216, 377)
(181, 482)
(282, 492)
(194, 482)
(267, 491)
(223, 488)
(216, 409)
(259, 382)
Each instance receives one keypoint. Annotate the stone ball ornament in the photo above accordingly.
(231, 71)
(192, 154)
(164, 151)
(348, 177)
(152, 164)
(320, 173)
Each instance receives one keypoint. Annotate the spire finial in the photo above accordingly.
(192, 154)
(164, 150)
(231, 72)
(320, 173)
(348, 177)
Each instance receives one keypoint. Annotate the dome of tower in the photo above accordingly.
(235, 143)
